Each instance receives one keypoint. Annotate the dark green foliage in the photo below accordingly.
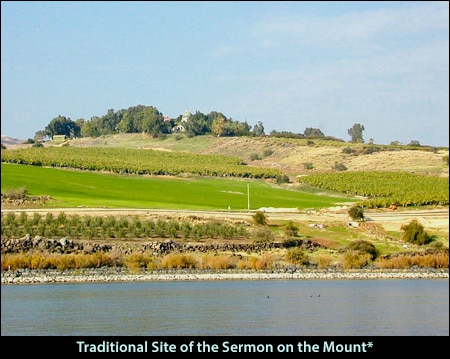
(291, 242)
(356, 133)
(260, 218)
(37, 144)
(338, 166)
(313, 132)
(282, 179)
(348, 150)
(364, 247)
(290, 229)
(356, 213)
(415, 233)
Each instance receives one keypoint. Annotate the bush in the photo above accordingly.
(356, 213)
(260, 218)
(364, 247)
(290, 229)
(308, 165)
(348, 150)
(414, 233)
(354, 259)
(267, 152)
(339, 167)
(264, 235)
(297, 256)
(282, 179)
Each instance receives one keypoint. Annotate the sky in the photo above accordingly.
(289, 65)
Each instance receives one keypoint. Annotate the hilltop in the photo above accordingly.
(9, 141)
(291, 156)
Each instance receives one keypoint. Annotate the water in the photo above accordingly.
(408, 307)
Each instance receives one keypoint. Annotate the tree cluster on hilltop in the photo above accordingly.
(147, 119)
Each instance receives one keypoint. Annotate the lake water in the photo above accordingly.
(399, 307)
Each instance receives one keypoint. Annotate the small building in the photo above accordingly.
(59, 138)
(186, 115)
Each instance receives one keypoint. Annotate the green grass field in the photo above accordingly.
(70, 188)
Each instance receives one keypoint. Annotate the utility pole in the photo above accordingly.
(248, 196)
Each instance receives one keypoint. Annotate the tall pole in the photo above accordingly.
(248, 196)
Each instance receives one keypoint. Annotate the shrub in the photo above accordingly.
(37, 144)
(297, 255)
(267, 152)
(339, 167)
(290, 229)
(324, 261)
(364, 247)
(354, 259)
(264, 235)
(260, 218)
(282, 179)
(348, 150)
(308, 165)
(356, 213)
(179, 261)
(414, 233)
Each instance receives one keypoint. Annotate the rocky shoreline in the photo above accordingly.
(122, 275)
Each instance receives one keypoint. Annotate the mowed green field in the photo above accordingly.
(69, 188)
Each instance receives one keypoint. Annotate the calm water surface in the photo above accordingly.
(418, 307)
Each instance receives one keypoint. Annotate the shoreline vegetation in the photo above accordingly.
(108, 274)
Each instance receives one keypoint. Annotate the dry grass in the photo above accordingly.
(217, 261)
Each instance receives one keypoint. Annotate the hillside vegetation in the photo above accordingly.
(310, 165)
(288, 155)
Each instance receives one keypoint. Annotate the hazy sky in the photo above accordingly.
(290, 65)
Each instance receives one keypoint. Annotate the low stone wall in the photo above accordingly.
(65, 246)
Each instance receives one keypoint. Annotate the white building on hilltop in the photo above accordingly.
(186, 115)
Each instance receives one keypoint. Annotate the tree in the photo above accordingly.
(313, 132)
(258, 129)
(217, 126)
(196, 125)
(356, 213)
(414, 143)
(356, 133)
(39, 135)
(62, 125)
